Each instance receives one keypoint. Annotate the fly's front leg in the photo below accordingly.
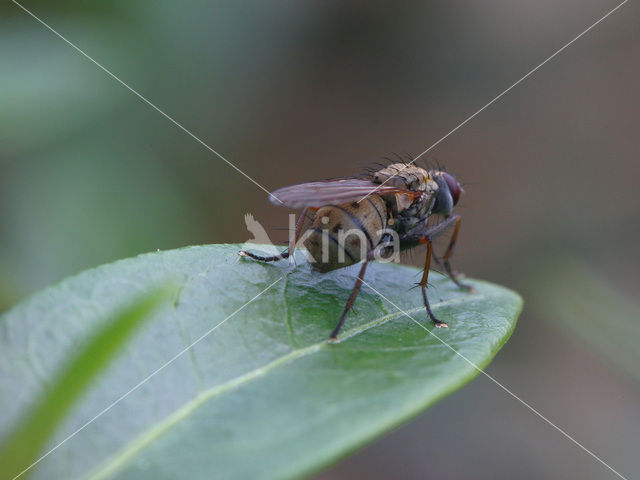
(425, 237)
(449, 252)
(423, 282)
(352, 298)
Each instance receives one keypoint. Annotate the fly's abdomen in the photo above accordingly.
(341, 235)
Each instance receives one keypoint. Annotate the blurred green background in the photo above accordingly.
(297, 91)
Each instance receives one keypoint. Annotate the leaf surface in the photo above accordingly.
(261, 393)
(25, 441)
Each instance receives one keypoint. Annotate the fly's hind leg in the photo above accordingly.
(272, 258)
(449, 252)
(306, 219)
(352, 298)
(301, 225)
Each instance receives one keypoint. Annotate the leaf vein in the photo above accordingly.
(117, 461)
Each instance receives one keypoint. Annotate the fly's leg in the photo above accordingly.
(423, 282)
(272, 258)
(306, 218)
(289, 251)
(449, 252)
(436, 260)
(352, 298)
(413, 240)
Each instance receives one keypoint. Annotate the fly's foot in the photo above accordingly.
(465, 286)
(272, 258)
(454, 278)
(247, 254)
(333, 340)
(439, 323)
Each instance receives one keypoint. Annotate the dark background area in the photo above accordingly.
(298, 91)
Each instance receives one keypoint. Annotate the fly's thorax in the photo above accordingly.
(401, 175)
(408, 177)
(341, 235)
(410, 215)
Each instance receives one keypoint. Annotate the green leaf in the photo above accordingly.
(261, 394)
(28, 437)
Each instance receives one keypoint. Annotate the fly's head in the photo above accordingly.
(449, 192)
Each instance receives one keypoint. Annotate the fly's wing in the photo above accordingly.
(332, 192)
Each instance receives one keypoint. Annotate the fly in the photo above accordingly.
(395, 202)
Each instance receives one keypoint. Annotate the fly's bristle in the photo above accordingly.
(409, 157)
(370, 168)
(400, 159)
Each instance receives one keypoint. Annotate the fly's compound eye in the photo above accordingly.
(454, 187)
